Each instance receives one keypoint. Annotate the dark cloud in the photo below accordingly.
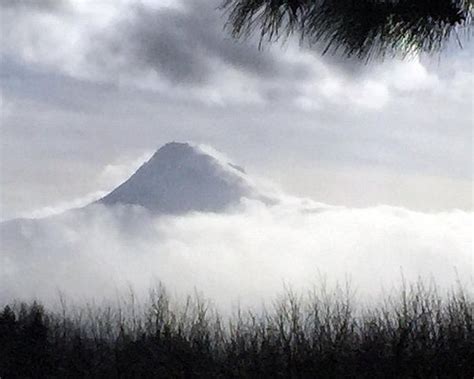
(50, 89)
(43, 5)
(187, 44)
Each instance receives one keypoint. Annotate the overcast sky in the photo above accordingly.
(90, 88)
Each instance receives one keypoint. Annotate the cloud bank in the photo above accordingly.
(245, 255)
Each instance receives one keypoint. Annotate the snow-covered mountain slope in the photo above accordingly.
(180, 178)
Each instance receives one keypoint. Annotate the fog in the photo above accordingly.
(244, 256)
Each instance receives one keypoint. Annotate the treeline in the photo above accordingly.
(419, 334)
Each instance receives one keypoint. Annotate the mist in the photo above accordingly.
(244, 256)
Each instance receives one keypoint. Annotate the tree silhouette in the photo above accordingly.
(416, 334)
(360, 28)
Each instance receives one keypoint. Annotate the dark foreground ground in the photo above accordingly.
(418, 334)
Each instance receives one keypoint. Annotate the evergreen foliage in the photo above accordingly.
(361, 28)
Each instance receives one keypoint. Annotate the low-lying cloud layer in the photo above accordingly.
(245, 255)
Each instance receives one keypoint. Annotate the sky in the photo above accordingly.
(91, 88)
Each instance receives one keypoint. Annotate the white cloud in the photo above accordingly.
(407, 76)
(371, 95)
(63, 206)
(246, 254)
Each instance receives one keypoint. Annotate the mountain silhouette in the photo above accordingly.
(180, 178)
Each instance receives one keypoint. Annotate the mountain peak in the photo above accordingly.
(176, 149)
(180, 178)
